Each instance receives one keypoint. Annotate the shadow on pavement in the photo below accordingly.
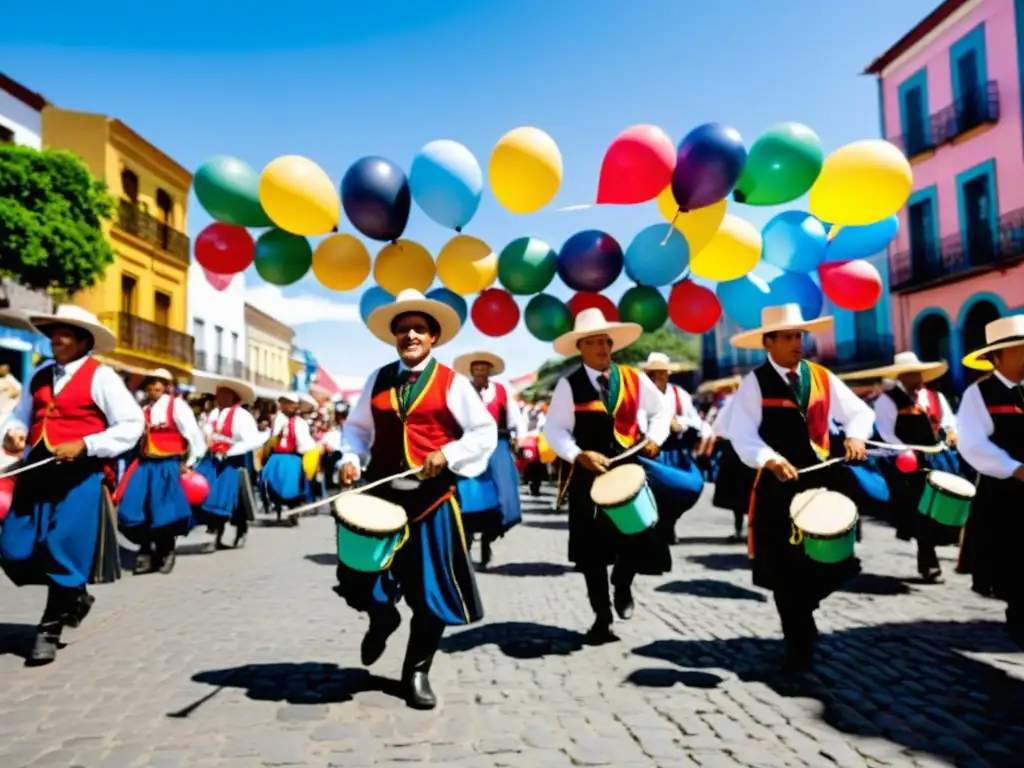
(516, 639)
(529, 569)
(666, 678)
(682, 541)
(909, 684)
(552, 525)
(323, 558)
(16, 639)
(875, 584)
(712, 588)
(722, 561)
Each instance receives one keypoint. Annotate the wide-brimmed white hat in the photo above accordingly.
(591, 322)
(160, 373)
(411, 300)
(307, 403)
(289, 397)
(464, 362)
(714, 385)
(787, 317)
(1003, 333)
(210, 385)
(76, 317)
(904, 362)
(659, 361)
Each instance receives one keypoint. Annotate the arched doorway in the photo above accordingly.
(932, 341)
(978, 316)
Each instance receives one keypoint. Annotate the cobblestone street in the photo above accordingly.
(248, 658)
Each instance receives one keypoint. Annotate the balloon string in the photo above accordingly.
(672, 227)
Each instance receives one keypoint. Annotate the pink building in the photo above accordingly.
(950, 96)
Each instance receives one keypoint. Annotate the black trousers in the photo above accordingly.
(425, 632)
(598, 591)
(926, 534)
(60, 602)
(796, 612)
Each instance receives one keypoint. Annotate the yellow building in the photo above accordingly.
(143, 297)
(269, 344)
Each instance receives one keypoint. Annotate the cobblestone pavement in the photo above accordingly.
(248, 658)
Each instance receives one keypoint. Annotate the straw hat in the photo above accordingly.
(464, 362)
(591, 322)
(161, 374)
(210, 385)
(714, 385)
(76, 317)
(411, 300)
(1003, 333)
(904, 362)
(773, 319)
(289, 397)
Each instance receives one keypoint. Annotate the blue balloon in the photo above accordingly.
(861, 242)
(376, 198)
(649, 260)
(446, 182)
(452, 299)
(743, 299)
(590, 261)
(797, 288)
(373, 298)
(794, 241)
(709, 161)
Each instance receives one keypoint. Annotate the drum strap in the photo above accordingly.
(750, 513)
(401, 543)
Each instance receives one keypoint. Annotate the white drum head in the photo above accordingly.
(368, 513)
(821, 512)
(618, 485)
(954, 484)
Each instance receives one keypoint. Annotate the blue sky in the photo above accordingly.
(257, 80)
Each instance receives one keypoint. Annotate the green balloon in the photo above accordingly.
(526, 266)
(645, 306)
(282, 258)
(547, 318)
(229, 190)
(782, 166)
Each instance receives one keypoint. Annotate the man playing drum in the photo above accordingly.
(779, 424)
(595, 415)
(415, 412)
(991, 422)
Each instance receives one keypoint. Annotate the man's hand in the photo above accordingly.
(1019, 474)
(676, 427)
(650, 450)
(14, 442)
(782, 469)
(951, 438)
(594, 461)
(856, 450)
(706, 447)
(513, 444)
(184, 468)
(433, 464)
(349, 474)
(69, 451)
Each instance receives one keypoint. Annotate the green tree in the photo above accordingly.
(51, 220)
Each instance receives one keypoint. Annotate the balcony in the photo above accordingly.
(148, 339)
(200, 363)
(136, 222)
(227, 366)
(269, 382)
(973, 109)
(870, 352)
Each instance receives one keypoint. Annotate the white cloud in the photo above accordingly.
(303, 309)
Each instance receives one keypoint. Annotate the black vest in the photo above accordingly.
(1009, 426)
(911, 428)
(593, 430)
(784, 429)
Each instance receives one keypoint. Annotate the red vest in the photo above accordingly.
(223, 428)
(498, 407)
(72, 415)
(285, 442)
(163, 440)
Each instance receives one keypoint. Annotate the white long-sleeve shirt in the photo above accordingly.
(513, 415)
(720, 426)
(468, 456)
(561, 418)
(852, 413)
(886, 413)
(304, 442)
(975, 432)
(185, 421)
(125, 422)
(245, 434)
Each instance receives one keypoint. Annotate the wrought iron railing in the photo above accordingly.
(979, 106)
(137, 335)
(200, 360)
(227, 366)
(269, 382)
(138, 223)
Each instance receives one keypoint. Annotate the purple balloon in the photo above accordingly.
(590, 261)
(709, 162)
(376, 198)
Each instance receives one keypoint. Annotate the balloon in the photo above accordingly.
(644, 306)
(731, 253)
(311, 463)
(861, 183)
(590, 260)
(6, 496)
(693, 308)
(698, 226)
(637, 166)
(373, 298)
(403, 264)
(588, 300)
(341, 262)
(547, 318)
(796, 288)
(446, 183)
(299, 197)
(467, 265)
(527, 266)
(782, 166)
(495, 312)
(525, 170)
(743, 299)
(229, 190)
(225, 249)
(216, 281)
(861, 242)
(452, 299)
(196, 487)
(376, 198)
(906, 462)
(855, 285)
(708, 163)
(282, 258)
(544, 450)
(650, 260)
(794, 241)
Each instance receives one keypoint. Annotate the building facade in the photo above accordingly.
(950, 96)
(269, 343)
(217, 322)
(21, 114)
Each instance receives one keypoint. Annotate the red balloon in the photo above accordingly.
(693, 308)
(197, 487)
(854, 285)
(6, 496)
(637, 166)
(225, 249)
(906, 462)
(586, 300)
(495, 312)
(219, 282)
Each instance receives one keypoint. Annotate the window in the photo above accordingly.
(129, 186)
(234, 345)
(218, 340)
(968, 74)
(128, 298)
(922, 221)
(162, 310)
(199, 334)
(165, 206)
(913, 100)
(6, 135)
(979, 213)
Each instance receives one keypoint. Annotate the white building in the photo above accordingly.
(21, 114)
(217, 322)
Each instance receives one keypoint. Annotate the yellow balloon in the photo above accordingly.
(341, 262)
(299, 197)
(861, 183)
(403, 264)
(525, 170)
(467, 265)
(544, 450)
(698, 226)
(311, 463)
(733, 251)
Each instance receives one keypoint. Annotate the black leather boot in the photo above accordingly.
(601, 632)
(167, 563)
(78, 609)
(143, 564)
(623, 601)
(424, 638)
(47, 641)
(382, 625)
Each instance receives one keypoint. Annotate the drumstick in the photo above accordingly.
(922, 448)
(360, 489)
(630, 452)
(26, 468)
(830, 462)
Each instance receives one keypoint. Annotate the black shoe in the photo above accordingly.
(376, 638)
(293, 520)
(239, 541)
(143, 564)
(47, 642)
(167, 564)
(419, 694)
(623, 602)
(933, 576)
(78, 612)
(601, 633)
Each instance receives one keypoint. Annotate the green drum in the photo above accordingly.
(947, 498)
(825, 523)
(625, 496)
(370, 531)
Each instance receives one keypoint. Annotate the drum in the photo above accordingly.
(825, 522)
(947, 498)
(370, 531)
(624, 495)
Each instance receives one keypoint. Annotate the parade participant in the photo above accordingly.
(283, 479)
(779, 424)
(59, 531)
(732, 478)
(991, 422)
(152, 508)
(595, 415)
(535, 472)
(490, 502)
(417, 412)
